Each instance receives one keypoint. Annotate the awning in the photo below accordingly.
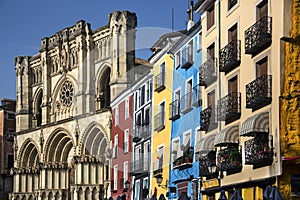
(229, 135)
(258, 123)
(206, 144)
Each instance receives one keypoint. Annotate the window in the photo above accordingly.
(116, 116)
(135, 101)
(231, 3)
(162, 70)
(115, 150)
(187, 139)
(190, 55)
(162, 111)
(199, 48)
(160, 151)
(10, 161)
(138, 119)
(115, 177)
(175, 149)
(125, 172)
(233, 85)
(211, 51)
(262, 67)
(146, 156)
(262, 10)
(142, 95)
(211, 98)
(210, 17)
(189, 88)
(178, 59)
(145, 183)
(147, 116)
(232, 33)
(137, 190)
(126, 141)
(11, 116)
(126, 108)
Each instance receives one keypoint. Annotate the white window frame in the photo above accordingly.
(125, 172)
(178, 59)
(115, 186)
(127, 108)
(116, 144)
(199, 43)
(146, 155)
(137, 189)
(116, 116)
(126, 140)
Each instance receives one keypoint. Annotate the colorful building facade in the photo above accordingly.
(162, 96)
(241, 67)
(185, 115)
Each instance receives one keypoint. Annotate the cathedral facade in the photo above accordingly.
(63, 119)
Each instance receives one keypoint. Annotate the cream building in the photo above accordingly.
(242, 58)
(63, 119)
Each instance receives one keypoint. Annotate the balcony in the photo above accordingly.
(159, 121)
(259, 92)
(229, 107)
(208, 72)
(159, 82)
(158, 172)
(196, 96)
(187, 64)
(140, 131)
(140, 166)
(174, 110)
(208, 119)
(184, 161)
(186, 103)
(230, 56)
(207, 165)
(230, 159)
(258, 152)
(259, 36)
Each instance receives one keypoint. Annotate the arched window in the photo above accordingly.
(38, 109)
(103, 90)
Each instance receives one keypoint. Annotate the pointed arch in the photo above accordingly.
(58, 146)
(94, 140)
(37, 105)
(28, 155)
(103, 86)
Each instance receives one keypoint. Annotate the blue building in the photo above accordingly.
(185, 114)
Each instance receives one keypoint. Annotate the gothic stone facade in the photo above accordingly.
(62, 143)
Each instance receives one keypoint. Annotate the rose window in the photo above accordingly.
(67, 93)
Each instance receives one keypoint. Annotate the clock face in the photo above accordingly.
(67, 94)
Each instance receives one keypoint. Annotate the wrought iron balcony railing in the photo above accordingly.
(230, 56)
(230, 159)
(208, 72)
(174, 110)
(197, 97)
(259, 92)
(184, 161)
(186, 102)
(208, 119)
(259, 36)
(258, 151)
(207, 165)
(160, 82)
(229, 107)
(140, 166)
(159, 121)
(140, 131)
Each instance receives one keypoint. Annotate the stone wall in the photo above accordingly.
(290, 104)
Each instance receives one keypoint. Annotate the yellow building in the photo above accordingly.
(241, 72)
(162, 84)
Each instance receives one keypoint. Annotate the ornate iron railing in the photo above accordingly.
(229, 159)
(159, 121)
(208, 72)
(231, 3)
(259, 92)
(229, 107)
(258, 151)
(184, 161)
(174, 110)
(197, 97)
(230, 56)
(140, 131)
(186, 102)
(160, 82)
(140, 166)
(208, 119)
(259, 36)
(207, 163)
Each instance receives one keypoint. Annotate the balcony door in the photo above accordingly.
(262, 10)
(232, 33)
(138, 157)
(262, 67)
(233, 85)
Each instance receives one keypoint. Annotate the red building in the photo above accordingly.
(122, 109)
(7, 130)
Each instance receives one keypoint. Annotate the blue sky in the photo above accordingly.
(25, 23)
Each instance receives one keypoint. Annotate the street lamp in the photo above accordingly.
(159, 180)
